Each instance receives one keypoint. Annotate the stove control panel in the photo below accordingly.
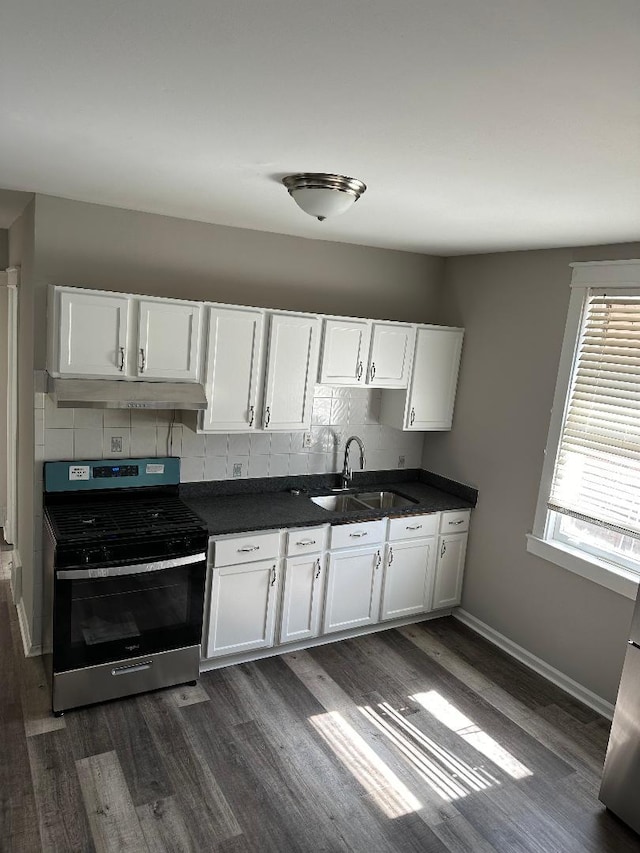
(105, 471)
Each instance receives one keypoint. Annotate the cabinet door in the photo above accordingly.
(234, 355)
(408, 578)
(345, 352)
(353, 589)
(243, 601)
(302, 598)
(292, 364)
(390, 359)
(168, 340)
(93, 334)
(434, 378)
(447, 590)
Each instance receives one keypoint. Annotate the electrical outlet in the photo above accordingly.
(400, 461)
(237, 469)
(306, 439)
(116, 444)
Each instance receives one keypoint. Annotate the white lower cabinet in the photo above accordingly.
(408, 578)
(447, 590)
(302, 598)
(243, 607)
(354, 580)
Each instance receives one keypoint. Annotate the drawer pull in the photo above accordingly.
(461, 521)
(306, 542)
(131, 668)
(414, 527)
(248, 548)
(358, 535)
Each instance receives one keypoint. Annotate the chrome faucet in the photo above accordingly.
(347, 473)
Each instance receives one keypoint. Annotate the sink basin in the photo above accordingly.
(339, 503)
(362, 500)
(384, 500)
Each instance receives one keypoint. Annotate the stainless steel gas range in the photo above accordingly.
(126, 561)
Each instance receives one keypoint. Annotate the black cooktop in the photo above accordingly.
(122, 516)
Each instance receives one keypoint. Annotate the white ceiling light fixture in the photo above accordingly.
(322, 195)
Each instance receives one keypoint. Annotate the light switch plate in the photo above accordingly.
(116, 444)
(237, 469)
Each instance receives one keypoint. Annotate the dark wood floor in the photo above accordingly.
(424, 739)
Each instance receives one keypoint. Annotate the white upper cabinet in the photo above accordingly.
(366, 352)
(168, 340)
(234, 369)
(345, 352)
(390, 358)
(428, 403)
(92, 333)
(292, 364)
(95, 333)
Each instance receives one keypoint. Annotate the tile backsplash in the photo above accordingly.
(337, 414)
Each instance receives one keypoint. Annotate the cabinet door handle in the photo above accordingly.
(248, 548)
(306, 542)
(121, 365)
(372, 372)
(390, 556)
(273, 576)
(143, 361)
(252, 412)
(378, 560)
(358, 535)
(267, 416)
(359, 371)
(414, 527)
(443, 549)
(318, 568)
(456, 522)
(413, 417)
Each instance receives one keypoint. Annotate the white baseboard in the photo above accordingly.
(30, 651)
(578, 691)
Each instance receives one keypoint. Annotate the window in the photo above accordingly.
(588, 517)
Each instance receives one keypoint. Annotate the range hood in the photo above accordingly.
(119, 394)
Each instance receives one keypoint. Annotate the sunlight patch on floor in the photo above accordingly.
(379, 781)
(450, 777)
(453, 719)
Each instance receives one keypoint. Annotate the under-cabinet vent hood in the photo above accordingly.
(118, 394)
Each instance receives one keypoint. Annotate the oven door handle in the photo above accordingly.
(137, 569)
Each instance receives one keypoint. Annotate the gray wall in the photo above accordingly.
(4, 248)
(513, 307)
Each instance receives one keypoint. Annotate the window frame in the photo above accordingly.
(587, 278)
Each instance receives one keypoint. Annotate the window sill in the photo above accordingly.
(612, 577)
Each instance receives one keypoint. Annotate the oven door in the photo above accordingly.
(117, 612)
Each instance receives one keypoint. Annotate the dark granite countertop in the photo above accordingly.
(228, 507)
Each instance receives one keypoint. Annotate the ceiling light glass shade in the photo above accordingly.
(321, 194)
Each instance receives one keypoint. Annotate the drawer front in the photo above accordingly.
(246, 549)
(306, 540)
(455, 521)
(413, 526)
(352, 535)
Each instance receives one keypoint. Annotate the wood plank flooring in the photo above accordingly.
(420, 740)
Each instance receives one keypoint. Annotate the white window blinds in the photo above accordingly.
(597, 472)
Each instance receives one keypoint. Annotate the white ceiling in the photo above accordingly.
(477, 126)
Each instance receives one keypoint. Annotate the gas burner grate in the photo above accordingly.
(122, 517)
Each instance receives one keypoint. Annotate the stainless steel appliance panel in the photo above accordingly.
(113, 680)
(620, 789)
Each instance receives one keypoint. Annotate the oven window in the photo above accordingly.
(103, 619)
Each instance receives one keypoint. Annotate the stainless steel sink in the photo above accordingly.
(384, 500)
(362, 500)
(339, 503)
